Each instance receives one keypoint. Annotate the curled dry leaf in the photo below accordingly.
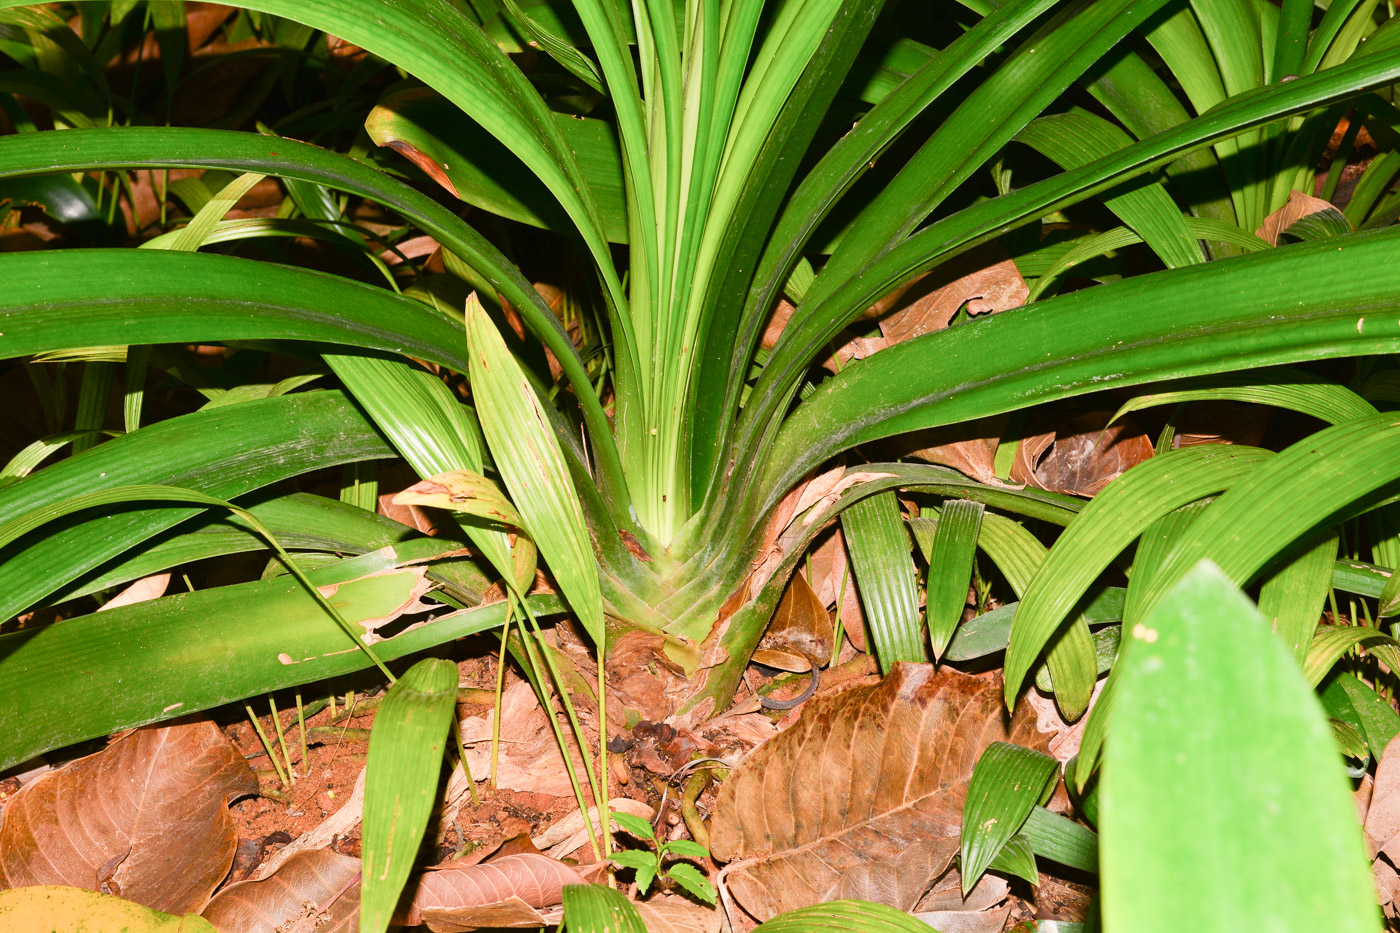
(800, 631)
(835, 583)
(1082, 456)
(985, 279)
(1220, 422)
(509, 891)
(566, 836)
(859, 779)
(314, 891)
(1299, 205)
(146, 819)
(643, 679)
(1064, 737)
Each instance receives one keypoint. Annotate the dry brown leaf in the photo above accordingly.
(505, 892)
(314, 891)
(1299, 205)
(566, 836)
(146, 819)
(970, 447)
(984, 279)
(984, 910)
(151, 587)
(1064, 737)
(859, 778)
(800, 631)
(1082, 456)
(529, 757)
(1220, 422)
(901, 881)
(677, 915)
(642, 678)
(1383, 816)
(836, 582)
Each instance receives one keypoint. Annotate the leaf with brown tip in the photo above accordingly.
(859, 778)
(146, 818)
(318, 886)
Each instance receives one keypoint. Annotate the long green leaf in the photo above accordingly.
(224, 452)
(1223, 804)
(884, 578)
(594, 908)
(1008, 781)
(180, 654)
(1310, 301)
(528, 456)
(1292, 597)
(165, 147)
(950, 562)
(1107, 525)
(1284, 499)
(401, 782)
(851, 916)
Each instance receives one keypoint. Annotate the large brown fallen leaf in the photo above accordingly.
(146, 819)
(871, 776)
(313, 892)
(509, 891)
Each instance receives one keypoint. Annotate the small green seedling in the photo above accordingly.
(649, 863)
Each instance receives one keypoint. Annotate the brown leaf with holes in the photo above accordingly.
(800, 632)
(1082, 456)
(508, 891)
(146, 818)
(858, 779)
(317, 890)
(1299, 205)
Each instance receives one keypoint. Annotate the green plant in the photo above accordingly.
(650, 863)
(707, 161)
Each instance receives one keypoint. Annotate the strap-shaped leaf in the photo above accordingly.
(1062, 840)
(851, 916)
(1330, 642)
(429, 428)
(1017, 859)
(1078, 137)
(1240, 734)
(224, 452)
(1105, 527)
(1282, 387)
(530, 461)
(950, 567)
(401, 782)
(1008, 781)
(1292, 597)
(593, 908)
(1377, 718)
(1285, 499)
(192, 659)
(885, 578)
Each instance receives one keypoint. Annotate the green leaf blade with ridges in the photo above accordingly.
(401, 781)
